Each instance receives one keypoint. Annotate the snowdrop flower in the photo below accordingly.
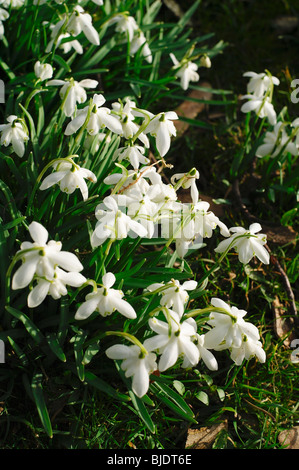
(14, 133)
(4, 15)
(55, 287)
(247, 246)
(204, 354)
(260, 83)
(174, 296)
(42, 258)
(125, 24)
(162, 128)
(249, 348)
(126, 115)
(100, 117)
(134, 154)
(80, 21)
(113, 223)
(12, 3)
(275, 142)
(105, 301)
(72, 92)
(135, 364)
(186, 71)
(69, 176)
(65, 46)
(262, 106)
(188, 181)
(230, 331)
(205, 61)
(173, 340)
(139, 42)
(43, 71)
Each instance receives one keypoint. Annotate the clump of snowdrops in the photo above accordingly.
(94, 241)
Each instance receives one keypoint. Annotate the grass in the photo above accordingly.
(257, 401)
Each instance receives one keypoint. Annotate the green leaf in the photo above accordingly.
(203, 397)
(32, 329)
(38, 395)
(55, 346)
(103, 386)
(142, 412)
(172, 399)
(91, 351)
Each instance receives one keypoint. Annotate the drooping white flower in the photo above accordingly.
(259, 83)
(247, 246)
(80, 21)
(14, 133)
(261, 105)
(134, 154)
(12, 3)
(105, 301)
(65, 46)
(69, 176)
(41, 258)
(113, 223)
(136, 365)
(188, 181)
(174, 339)
(139, 42)
(125, 24)
(4, 15)
(276, 141)
(100, 117)
(43, 71)
(230, 331)
(126, 114)
(55, 287)
(175, 296)
(162, 128)
(204, 354)
(72, 92)
(186, 71)
(205, 61)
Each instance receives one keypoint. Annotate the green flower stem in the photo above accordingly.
(130, 338)
(40, 176)
(203, 311)
(18, 256)
(218, 262)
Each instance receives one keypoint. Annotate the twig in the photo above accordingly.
(287, 285)
(241, 205)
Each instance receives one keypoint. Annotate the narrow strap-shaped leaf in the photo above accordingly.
(103, 386)
(165, 398)
(38, 395)
(55, 346)
(137, 402)
(174, 396)
(32, 329)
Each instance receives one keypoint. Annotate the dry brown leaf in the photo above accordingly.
(280, 235)
(190, 109)
(290, 438)
(282, 325)
(204, 437)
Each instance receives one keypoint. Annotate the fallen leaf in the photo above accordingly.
(204, 437)
(290, 438)
(280, 235)
(283, 325)
(190, 109)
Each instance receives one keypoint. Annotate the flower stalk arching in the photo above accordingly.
(18, 256)
(131, 338)
(217, 264)
(40, 176)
